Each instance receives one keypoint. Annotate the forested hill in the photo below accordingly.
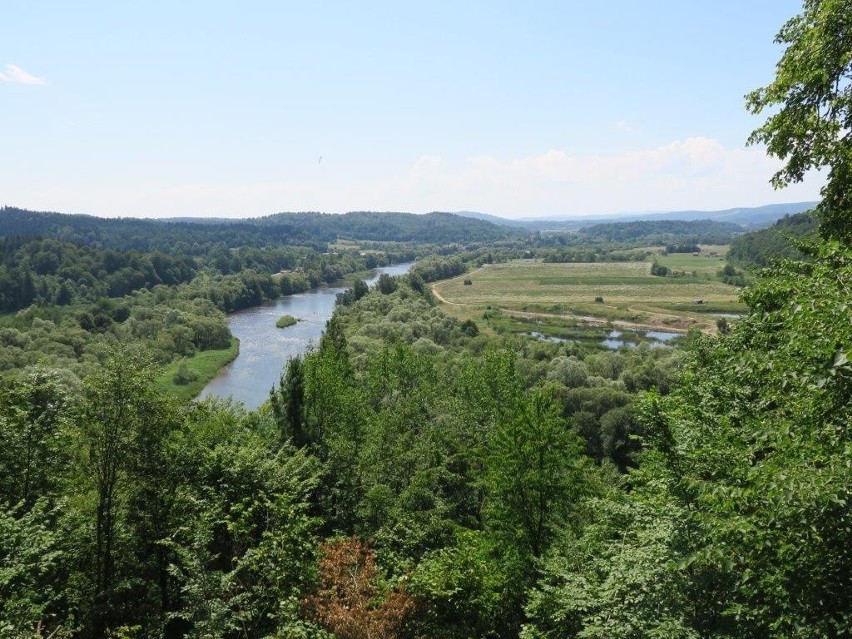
(761, 248)
(665, 231)
(389, 227)
(282, 228)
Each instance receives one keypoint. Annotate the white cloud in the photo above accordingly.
(695, 173)
(427, 165)
(17, 75)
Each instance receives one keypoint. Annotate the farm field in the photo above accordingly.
(708, 262)
(631, 296)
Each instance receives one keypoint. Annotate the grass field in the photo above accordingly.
(702, 264)
(631, 295)
(203, 366)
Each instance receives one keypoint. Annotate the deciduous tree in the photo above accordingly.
(350, 601)
(812, 127)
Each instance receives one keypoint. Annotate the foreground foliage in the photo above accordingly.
(810, 129)
(442, 484)
(737, 523)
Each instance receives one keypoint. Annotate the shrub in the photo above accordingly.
(286, 320)
(184, 375)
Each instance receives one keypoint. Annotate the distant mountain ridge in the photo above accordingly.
(494, 219)
(747, 217)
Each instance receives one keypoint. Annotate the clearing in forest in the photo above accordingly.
(624, 293)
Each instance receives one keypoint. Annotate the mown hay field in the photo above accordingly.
(709, 261)
(629, 291)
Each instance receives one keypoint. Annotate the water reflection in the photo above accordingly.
(616, 339)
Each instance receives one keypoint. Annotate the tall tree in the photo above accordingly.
(119, 412)
(534, 470)
(288, 402)
(813, 126)
(349, 601)
(243, 538)
(34, 425)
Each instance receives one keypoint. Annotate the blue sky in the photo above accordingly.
(515, 109)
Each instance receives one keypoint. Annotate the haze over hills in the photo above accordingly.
(749, 217)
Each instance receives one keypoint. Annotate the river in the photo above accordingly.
(265, 348)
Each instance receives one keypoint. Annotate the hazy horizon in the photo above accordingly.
(562, 109)
(543, 218)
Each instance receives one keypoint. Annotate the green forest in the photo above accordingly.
(417, 474)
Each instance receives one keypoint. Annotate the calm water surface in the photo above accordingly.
(264, 348)
(615, 340)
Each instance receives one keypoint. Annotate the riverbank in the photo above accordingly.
(197, 370)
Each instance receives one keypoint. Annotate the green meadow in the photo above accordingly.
(186, 377)
(607, 291)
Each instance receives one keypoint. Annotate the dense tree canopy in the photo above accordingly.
(813, 126)
(650, 232)
(762, 248)
(186, 235)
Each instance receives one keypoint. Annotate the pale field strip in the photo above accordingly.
(619, 283)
